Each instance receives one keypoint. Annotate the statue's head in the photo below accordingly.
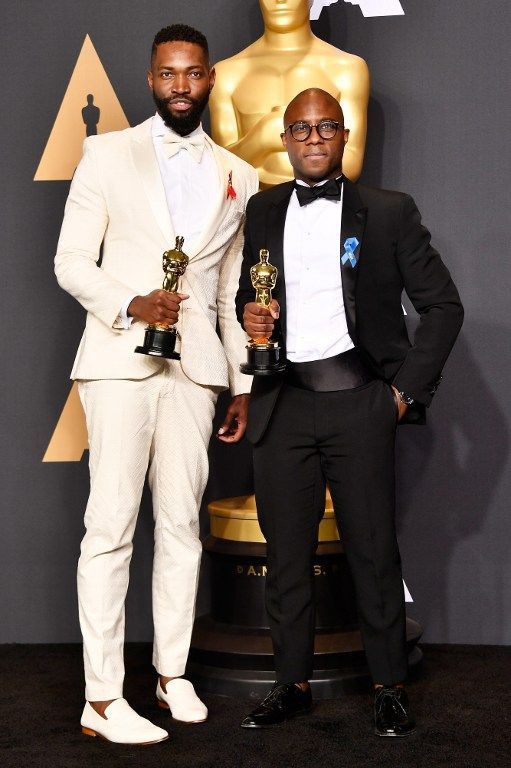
(285, 15)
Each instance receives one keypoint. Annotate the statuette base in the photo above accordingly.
(263, 360)
(159, 343)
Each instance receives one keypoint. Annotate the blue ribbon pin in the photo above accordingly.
(350, 246)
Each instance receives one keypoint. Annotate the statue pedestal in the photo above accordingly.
(231, 651)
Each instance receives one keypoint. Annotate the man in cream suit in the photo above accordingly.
(133, 192)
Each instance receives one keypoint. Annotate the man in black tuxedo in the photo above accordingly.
(345, 253)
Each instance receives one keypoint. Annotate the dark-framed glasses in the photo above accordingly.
(301, 131)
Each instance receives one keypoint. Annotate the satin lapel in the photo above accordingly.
(147, 166)
(274, 242)
(354, 216)
(220, 204)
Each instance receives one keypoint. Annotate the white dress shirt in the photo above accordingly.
(190, 186)
(316, 326)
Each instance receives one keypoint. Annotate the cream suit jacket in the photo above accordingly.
(117, 208)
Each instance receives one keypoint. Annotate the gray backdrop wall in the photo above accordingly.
(439, 128)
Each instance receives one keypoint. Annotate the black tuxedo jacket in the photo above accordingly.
(394, 253)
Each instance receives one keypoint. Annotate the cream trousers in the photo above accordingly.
(162, 423)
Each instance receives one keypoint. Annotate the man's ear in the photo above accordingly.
(150, 79)
(212, 78)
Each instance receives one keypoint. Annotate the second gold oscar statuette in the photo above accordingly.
(263, 354)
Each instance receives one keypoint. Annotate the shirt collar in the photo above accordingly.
(158, 128)
(319, 183)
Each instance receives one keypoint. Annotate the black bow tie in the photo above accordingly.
(330, 191)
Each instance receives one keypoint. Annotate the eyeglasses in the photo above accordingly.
(301, 131)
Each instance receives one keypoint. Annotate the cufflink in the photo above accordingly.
(406, 399)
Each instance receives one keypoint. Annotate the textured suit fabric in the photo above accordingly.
(144, 413)
(161, 423)
(395, 254)
(117, 200)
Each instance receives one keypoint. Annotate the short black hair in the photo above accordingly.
(183, 33)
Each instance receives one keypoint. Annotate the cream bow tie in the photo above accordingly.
(172, 143)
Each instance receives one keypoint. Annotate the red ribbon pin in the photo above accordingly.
(231, 192)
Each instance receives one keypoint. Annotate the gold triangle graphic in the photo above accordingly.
(69, 440)
(90, 105)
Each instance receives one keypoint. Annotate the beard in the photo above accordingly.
(181, 123)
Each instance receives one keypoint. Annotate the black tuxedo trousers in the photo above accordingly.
(344, 439)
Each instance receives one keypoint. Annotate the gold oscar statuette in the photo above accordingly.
(263, 354)
(160, 340)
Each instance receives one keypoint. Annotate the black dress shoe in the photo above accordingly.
(392, 712)
(283, 702)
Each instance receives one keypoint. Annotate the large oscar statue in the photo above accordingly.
(253, 88)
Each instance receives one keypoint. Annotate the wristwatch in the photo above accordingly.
(406, 399)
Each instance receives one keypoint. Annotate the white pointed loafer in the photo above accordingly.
(183, 702)
(122, 725)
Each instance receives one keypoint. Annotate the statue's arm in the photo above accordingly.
(354, 101)
(224, 126)
(261, 140)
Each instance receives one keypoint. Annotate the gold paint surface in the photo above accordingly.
(254, 87)
(263, 277)
(69, 439)
(61, 155)
(174, 265)
(63, 150)
(235, 519)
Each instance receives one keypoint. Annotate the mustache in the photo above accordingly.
(188, 99)
(185, 121)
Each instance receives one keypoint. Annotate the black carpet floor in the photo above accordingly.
(461, 697)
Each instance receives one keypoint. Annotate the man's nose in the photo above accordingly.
(314, 137)
(181, 84)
